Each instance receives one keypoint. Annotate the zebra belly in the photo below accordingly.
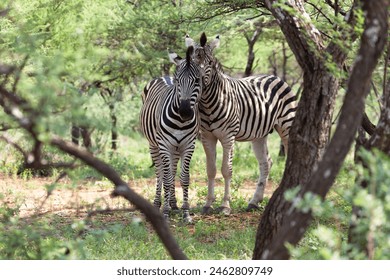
(239, 133)
(250, 133)
(243, 128)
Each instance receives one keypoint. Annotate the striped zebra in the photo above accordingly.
(245, 109)
(170, 121)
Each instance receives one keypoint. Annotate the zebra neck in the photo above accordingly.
(175, 102)
(215, 88)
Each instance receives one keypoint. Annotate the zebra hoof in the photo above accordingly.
(252, 207)
(187, 218)
(207, 210)
(174, 207)
(175, 211)
(224, 210)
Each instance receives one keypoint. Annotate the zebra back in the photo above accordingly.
(247, 107)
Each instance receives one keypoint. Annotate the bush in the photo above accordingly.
(25, 240)
(328, 236)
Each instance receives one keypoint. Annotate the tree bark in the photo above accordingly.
(281, 222)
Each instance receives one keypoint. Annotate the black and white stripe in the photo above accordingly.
(170, 121)
(245, 109)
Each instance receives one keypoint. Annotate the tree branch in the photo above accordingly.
(12, 105)
(122, 189)
(13, 144)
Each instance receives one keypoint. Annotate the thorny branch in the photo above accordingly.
(21, 111)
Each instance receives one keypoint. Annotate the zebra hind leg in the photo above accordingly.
(284, 135)
(261, 152)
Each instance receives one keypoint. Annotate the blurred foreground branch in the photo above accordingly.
(21, 111)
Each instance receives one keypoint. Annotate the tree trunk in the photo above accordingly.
(309, 133)
(308, 137)
(251, 54)
(380, 139)
(114, 129)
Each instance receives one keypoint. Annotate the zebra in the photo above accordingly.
(169, 120)
(245, 109)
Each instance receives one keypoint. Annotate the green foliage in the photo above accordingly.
(371, 229)
(373, 218)
(21, 239)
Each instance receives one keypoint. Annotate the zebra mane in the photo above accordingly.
(203, 39)
(218, 66)
(190, 51)
(214, 61)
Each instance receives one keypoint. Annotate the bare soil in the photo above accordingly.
(70, 199)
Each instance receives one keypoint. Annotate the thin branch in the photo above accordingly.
(385, 70)
(159, 223)
(320, 12)
(17, 75)
(110, 211)
(6, 69)
(13, 144)
(367, 125)
(222, 8)
(50, 191)
(4, 12)
(336, 7)
(295, 221)
(5, 127)
(376, 94)
(122, 189)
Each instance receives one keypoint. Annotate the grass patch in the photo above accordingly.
(129, 236)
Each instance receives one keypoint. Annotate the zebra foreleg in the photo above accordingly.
(172, 199)
(209, 145)
(185, 181)
(154, 152)
(168, 182)
(261, 152)
(227, 171)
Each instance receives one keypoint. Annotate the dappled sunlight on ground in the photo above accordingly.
(69, 198)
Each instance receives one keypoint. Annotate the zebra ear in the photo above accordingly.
(215, 43)
(189, 42)
(174, 58)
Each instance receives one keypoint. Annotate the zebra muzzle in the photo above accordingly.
(185, 111)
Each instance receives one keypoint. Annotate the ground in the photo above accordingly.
(76, 199)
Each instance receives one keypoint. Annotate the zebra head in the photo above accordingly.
(187, 83)
(203, 55)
